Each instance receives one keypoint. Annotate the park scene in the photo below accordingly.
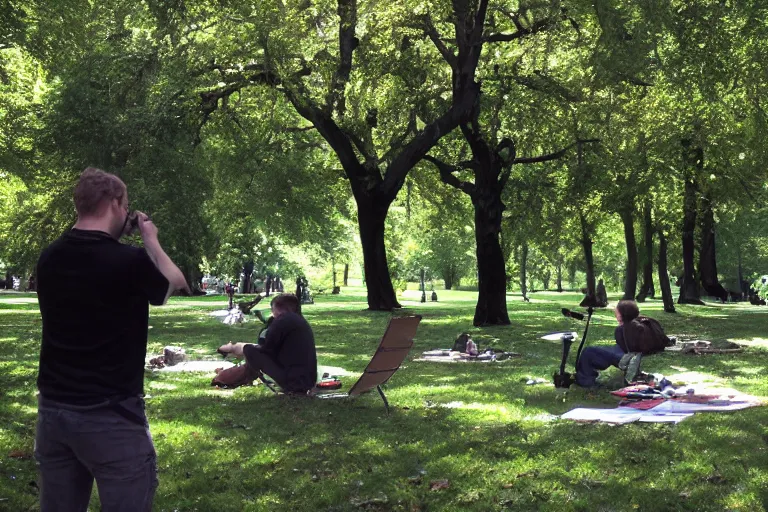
(526, 245)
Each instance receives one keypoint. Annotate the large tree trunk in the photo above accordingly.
(559, 277)
(666, 289)
(194, 279)
(707, 259)
(743, 289)
(491, 306)
(448, 277)
(647, 288)
(524, 271)
(689, 287)
(381, 293)
(589, 261)
(630, 275)
(346, 274)
(8, 281)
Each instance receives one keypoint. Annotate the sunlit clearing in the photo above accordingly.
(162, 385)
(754, 342)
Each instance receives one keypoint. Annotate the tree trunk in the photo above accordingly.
(346, 274)
(647, 288)
(381, 293)
(666, 290)
(572, 274)
(491, 306)
(546, 277)
(689, 287)
(523, 271)
(448, 277)
(8, 281)
(586, 243)
(740, 275)
(630, 275)
(707, 259)
(559, 277)
(194, 278)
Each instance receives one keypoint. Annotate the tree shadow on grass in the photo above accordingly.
(262, 452)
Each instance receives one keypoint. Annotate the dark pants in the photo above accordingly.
(594, 359)
(75, 445)
(263, 362)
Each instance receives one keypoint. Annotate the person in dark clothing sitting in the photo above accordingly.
(287, 354)
(594, 359)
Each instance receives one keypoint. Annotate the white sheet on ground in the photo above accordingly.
(197, 366)
(622, 415)
(664, 418)
(675, 406)
(616, 415)
(555, 336)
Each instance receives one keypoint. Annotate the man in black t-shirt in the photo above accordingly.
(288, 352)
(94, 295)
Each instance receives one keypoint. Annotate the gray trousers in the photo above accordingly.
(75, 445)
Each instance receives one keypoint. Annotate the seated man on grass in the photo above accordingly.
(287, 354)
(594, 359)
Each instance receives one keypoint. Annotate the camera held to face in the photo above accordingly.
(131, 224)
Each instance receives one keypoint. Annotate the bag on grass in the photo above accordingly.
(234, 377)
(460, 345)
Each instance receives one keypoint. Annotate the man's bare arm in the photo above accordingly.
(176, 279)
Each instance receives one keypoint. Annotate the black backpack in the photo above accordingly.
(645, 335)
(460, 344)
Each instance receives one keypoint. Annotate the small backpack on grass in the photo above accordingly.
(460, 345)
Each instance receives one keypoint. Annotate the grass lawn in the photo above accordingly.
(478, 426)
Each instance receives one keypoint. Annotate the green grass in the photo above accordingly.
(477, 425)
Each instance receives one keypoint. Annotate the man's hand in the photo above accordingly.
(147, 228)
(233, 349)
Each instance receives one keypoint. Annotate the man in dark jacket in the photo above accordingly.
(288, 351)
(91, 421)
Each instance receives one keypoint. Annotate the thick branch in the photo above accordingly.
(427, 138)
(347, 11)
(397, 142)
(434, 36)
(447, 176)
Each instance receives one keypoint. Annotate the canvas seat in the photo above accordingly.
(390, 354)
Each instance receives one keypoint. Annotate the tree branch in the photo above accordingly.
(347, 11)
(521, 32)
(295, 129)
(434, 36)
(552, 156)
(397, 142)
(447, 176)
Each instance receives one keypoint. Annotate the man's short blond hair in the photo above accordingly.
(94, 188)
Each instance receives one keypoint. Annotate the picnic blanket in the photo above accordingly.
(668, 410)
(196, 366)
(446, 355)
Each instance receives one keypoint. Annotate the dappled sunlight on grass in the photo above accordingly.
(477, 425)
(753, 342)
